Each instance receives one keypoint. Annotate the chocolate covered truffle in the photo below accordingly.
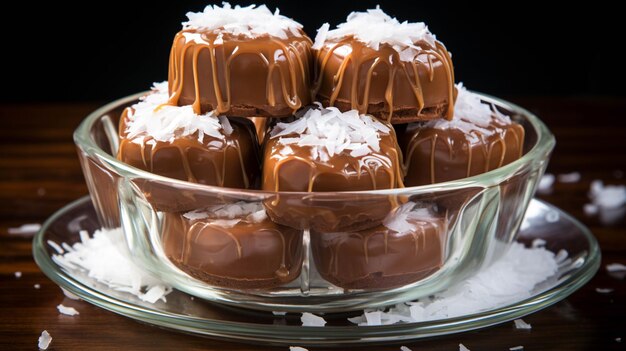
(240, 62)
(395, 71)
(406, 248)
(478, 139)
(233, 245)
(326, 150)
(175, 142)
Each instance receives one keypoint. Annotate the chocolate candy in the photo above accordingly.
(240, 76)
(408, 247)
(233, 246)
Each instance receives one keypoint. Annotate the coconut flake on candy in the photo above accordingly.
(250, 21)
(153, 119)
(374, 28)
(329, 132)
(471, 116)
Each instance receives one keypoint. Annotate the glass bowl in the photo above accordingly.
(284, 261)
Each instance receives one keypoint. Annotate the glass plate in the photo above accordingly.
(183, 313)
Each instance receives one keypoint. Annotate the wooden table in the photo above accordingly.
(39, 174)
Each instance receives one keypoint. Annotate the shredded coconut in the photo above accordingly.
(153, 118)
(18, 274)
(463, 348)
(516, 348)
(69, 311)
(604, 290)
(105, 258)
(37, 286)
(400, 219)
(509, 279)
(250, 21)
(328, 131)
(297, 348)
(545, 183)
(44, 340)
(609, 196)
(520, 324)
(573, 177)
(311, 320)
(471, 115)
(374, 27)
(404, 348)
(70, 295)
(25, 229)
(615, 267)
(229, 215)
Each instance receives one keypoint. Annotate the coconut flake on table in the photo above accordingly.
(44, 340)
(328, 132)
(471, 115)
(517, 348)
(607, 197)
(229, 215)
(545, 183)
(69, 311)
(374, 27)
(615, 267)
(463, 348)
(311, 320)
(154, 119)
(70, 295)
(520, 324)
(573, 177)
(250, 21)
(18, 274)
(511, 278)
(404, 348)
(25, 229)
(604, 290)
(105, 258)
(297, 348)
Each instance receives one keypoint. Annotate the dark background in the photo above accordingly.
(100, 51)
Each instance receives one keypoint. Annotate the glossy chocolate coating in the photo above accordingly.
(352, 75)
(435, 155)
(247, 255)
(380, 258)
(245, 77)
(232, 163)
(298, 172)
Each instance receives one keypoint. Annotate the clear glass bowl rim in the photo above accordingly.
(543, 146)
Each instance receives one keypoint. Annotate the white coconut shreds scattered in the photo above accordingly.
(297, 348)
(311, 320)
(471, 115)
(70, 295)
(545, 183)
(400, 220)
(604, 290)
(153, 118)
(517, 348)
(25, 229)
(104, 257)
(375, 27)
(520, 324)
(69, 311)
(18, 274)
(44, 340)
(573, 177)
(463, 348)
(615, 267)
(328, 131)
(404, 348)
(229, 215)
(250, 21)
(507, 280)
(605, 197)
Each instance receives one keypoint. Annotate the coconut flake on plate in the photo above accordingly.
(44, 340)
(520, 324)
(37, 286)
(328, 132)
(154, 119)
(374, 27)
(471, 115)
(68, 311)
(517, 348)
(250, 21)
(104, 257)
(510, 278)
(573, 177)
(311, 320)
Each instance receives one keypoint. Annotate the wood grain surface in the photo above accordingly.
(39, 174)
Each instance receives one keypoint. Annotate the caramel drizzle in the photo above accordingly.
(359, 55)
(273, 61)
(486, 147)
